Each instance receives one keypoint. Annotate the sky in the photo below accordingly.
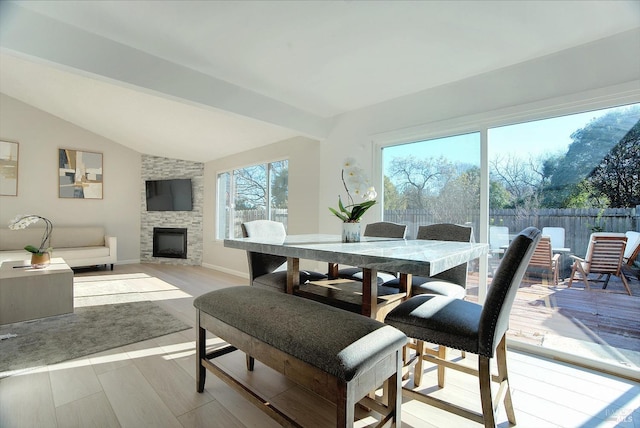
(547, 136)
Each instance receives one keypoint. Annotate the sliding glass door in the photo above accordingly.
(569, 176)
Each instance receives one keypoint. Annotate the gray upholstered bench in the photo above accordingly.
(339, 355)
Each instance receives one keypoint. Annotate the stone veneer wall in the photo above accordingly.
(158, 168)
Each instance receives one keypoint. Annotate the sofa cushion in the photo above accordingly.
(81, 252)
(68, 237)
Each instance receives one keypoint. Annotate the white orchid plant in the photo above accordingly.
(354, 178)
(22, 221)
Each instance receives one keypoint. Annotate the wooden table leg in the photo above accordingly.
(293, 274)
(405, 284)
(370, 292)
(332, 270)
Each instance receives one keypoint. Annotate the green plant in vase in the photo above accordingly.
(356, 184)
(39, 255)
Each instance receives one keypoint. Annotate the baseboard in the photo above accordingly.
(233, 272)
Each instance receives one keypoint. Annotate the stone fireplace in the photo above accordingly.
(155, 168)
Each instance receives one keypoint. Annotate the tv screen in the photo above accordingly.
(169, 195)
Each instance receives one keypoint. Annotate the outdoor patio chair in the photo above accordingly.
(498, 242)
(632, 250)
(604, 258)
(556, 234)
(266, 270)
(470, 327)
(544, 262)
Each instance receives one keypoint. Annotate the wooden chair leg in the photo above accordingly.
(250, 362)
(484, 376)
(626, 284)
(503, 376)
(201, 346)
(585, 278)
(406, 356)
(418, 369)
(442, 353)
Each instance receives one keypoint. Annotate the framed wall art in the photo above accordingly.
(80, 174)
(8, 168)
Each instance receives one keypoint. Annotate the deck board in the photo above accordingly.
(592, 323)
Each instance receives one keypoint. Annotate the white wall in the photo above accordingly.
(40, 135)
(304, 210)
(590, 76)
(587, 77)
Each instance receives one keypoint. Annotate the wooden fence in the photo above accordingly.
(578, 223)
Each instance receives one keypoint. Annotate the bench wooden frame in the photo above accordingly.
(344, 394)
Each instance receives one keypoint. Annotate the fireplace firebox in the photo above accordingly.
(170, 242)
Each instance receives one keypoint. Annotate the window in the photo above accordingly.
(433, 181)
(577, 174)
(569, 176)
(257, 192)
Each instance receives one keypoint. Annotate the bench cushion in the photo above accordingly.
(341, 343)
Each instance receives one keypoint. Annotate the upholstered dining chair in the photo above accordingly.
(382, 229)
(604, 257)
(451, 282)
(267, 270)
(470, 327)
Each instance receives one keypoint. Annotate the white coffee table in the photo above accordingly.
(27, 293)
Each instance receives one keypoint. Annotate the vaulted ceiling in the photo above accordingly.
(200, 80)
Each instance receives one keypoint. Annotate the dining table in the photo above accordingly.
(372, 254)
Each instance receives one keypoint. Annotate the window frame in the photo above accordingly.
(231, 214)
(481, 122)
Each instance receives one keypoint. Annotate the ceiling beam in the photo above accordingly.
(39, 37)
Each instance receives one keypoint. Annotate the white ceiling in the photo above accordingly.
(200, 80)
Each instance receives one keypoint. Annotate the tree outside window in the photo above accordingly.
(243, 195)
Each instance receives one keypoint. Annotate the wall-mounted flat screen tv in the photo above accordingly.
(169, 195)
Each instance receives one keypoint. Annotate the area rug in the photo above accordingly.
(31, 344)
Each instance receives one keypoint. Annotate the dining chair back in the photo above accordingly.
(449, 232)
(544, 262)
(452, 282)
(268, 270)
(604, 257)
(556, 234)
(386, 229)
(382, 229)
(259, 263)
(469, 327)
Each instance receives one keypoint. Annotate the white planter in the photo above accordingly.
(350, 232)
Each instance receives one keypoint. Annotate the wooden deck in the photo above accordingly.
(600, 325)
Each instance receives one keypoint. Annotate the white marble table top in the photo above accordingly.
(417, 257)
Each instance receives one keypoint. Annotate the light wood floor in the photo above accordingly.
(152, 384)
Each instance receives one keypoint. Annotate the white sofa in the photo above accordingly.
(78, 246)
